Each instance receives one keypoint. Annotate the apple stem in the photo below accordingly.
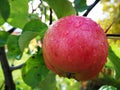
(69, 75)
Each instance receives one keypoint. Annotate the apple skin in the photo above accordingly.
(75, 47)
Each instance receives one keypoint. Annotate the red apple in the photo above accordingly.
(75, 47)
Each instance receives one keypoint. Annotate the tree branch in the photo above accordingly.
(113, 36)
(50, 16)
(16, 67)
(90, 8)
(114, 21)
(34, 9)
(9, 83)
(12, 30)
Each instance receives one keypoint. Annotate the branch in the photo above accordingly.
(12, 30)
(34, 9)
(9, 83)
(90, 8)
(114, 21)
(108, 28)
(50, 17)
(113, 36)
(16, 67)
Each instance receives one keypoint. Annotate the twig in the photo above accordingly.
(9, 83)
(34, 9)
(90, 8)
(12, 30)
(50, 16)
(113, 36)
(17, 67)
(109, 26)
(114, 21)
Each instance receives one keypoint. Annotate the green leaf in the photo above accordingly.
(4, 9)
(61, 7)
(34, 70)
(18, 13)
(36, 26)
(13, 48)
(80, 5)
(25, 39)
(115, 61)
(49, 83)
(3, 38)
(30, 31)
(106, 87)
(1, 20)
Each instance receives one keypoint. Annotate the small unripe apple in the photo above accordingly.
(75, 47)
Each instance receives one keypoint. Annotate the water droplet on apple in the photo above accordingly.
(66, 33)
(77, 24)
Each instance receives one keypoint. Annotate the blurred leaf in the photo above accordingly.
(34, 71)
(115, 61)
(4, 9)
(113, 14)
(70, 84)
(61, 7)
(3, 37)
(18, 13)
(49, 83)
(13, 48)
(1, 20)
(106, 87)
(33, 16)
(30, 31)
(80, 5)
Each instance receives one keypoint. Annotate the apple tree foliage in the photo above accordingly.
(26, 43)
(112, 9)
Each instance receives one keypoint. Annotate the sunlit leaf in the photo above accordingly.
(13, 48)
(18, 13)
(115, 61)
(4, 9)
(61, 7)
(36, 26)
(25, 39)
(106, 87)
(3, 37)
(34, 71)
(30, 31)
(80, 5)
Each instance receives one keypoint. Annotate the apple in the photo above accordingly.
(75, 47)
